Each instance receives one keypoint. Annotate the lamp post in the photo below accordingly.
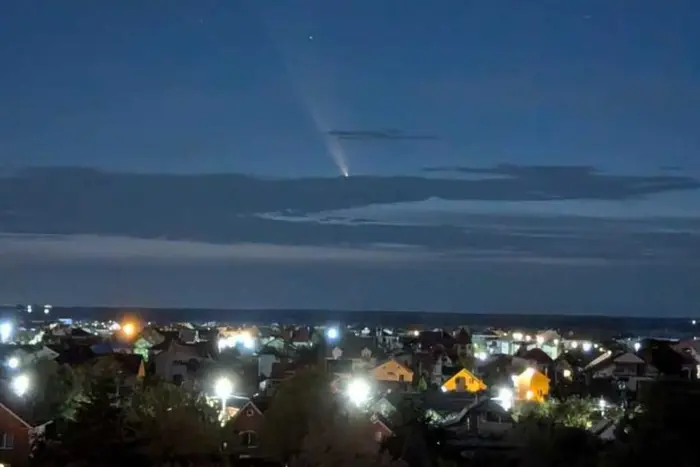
(223, 388)
(20, 385)
(358, 391)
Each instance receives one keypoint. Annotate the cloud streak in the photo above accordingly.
(331, 218)
(379, 135)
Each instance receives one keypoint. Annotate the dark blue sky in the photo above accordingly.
(576, 122)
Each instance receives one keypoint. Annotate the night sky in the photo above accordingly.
(503, 156)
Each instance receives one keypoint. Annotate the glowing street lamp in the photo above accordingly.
(129, 329)
(505, 398)
(358, 391)
(13, 363)
(332, 333)
(223, 389)
(20, 385)
(6, 329)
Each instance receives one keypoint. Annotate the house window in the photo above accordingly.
(249, 413)
(7, 441)
(402, 378)
(249, 438)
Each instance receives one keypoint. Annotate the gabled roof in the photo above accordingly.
(628, 357)
(482, 406)
(390, 360)
(258, 406)
(537, 355)
(340, 366)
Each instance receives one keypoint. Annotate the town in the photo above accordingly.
(116, 392)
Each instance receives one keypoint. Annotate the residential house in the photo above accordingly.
(531, 385)
(462, 345)
(388, 339)
(536, 358)
(299, 337)
(379, 427)
(248, 422)
(485, 418)
(434, 404)
(26, 354)
(16, 437)
(147, 338)
(280, 371)
(498, 369)
(463, 381)
(690, 347)
(392, 371)
(624, 367)
(431, 340)
(665, 357)
(178, 362)
(362, 351)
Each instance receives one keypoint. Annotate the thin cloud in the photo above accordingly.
(379, 135)
(76, 247)
(240, 210)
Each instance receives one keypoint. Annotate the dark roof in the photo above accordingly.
(129, 363)
(667, 360)
(262, 403)
(339, 366)
(430, 339)
(352, 347)
(462, 337)
(537, 355)
(74, 354)
(79, 332)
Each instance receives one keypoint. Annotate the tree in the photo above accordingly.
(296, 402)
(664, 430)
(340, 440)
(158, 424)
(573, 412)
(98, 434)
(172, 425)
(552, 445)
(422, 384)
(57, 390)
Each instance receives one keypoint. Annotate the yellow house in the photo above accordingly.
(463, 381)
(391, 370)
(531, 385)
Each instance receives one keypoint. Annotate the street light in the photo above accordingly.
(128, 329)
(358, 391)
(223, 388)
(505, 398)
(13, 363)
(6, 329)
(20, 385)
